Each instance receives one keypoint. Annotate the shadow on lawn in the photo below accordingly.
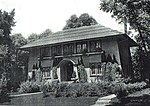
(132, 101)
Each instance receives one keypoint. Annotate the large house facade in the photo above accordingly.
(64, 49)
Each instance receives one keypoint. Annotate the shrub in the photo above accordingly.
(54, 72)
(49, 86)
(29, 87)
(79, 89)
(115, 83)
(82, 74)
(123, 89)
(4, 93)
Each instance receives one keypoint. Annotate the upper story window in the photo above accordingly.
(96, 68)
(56, 50)
(82, 47)
(45, 51)
(95, 45)
(68, 49)
(79, 47)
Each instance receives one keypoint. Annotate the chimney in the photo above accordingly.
(125, 25)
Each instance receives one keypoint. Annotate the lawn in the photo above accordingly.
(38, 100)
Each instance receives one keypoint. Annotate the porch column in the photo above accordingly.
(58, 74)
(76, 71)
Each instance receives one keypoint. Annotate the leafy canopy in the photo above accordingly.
(137, 13)
(7, 21)
(34, 36)
(84, 20)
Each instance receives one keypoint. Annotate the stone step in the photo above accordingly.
(103, 101)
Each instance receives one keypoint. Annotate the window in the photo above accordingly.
(95, 46)
(99, 69)
(82, 47)
(68, 49)
(45, 51)
(92, 46)
(79, 47)
(46, 72)
(56, 50)
(98, 44)
(95, 68)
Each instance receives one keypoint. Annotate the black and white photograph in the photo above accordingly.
(74, 52)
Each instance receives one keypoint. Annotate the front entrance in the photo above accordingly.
(66, 70)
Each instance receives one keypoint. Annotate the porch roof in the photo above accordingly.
(75, 34)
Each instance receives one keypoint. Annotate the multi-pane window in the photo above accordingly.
(56, 50)
(95, 45)
(46, 72)
(45, 51)
(98, 44)
(82, 47)
(68, 49)
(79, 47)
(95, 68)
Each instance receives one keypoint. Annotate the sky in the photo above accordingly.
(35, 16)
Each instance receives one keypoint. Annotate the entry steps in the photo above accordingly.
(104, 101)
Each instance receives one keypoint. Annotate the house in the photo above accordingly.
(64, 49)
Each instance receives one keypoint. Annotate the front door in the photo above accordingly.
(66, 70)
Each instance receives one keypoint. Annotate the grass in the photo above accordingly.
(139, 98)
(38, 100)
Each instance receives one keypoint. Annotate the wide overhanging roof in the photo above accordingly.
(74, 34)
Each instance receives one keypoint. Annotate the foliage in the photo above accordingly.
(114, 81)
(123, 89)
(4, 89)
(137, 14)
(141, 64)
(80, 89)
(54, 72)
(82, 74)
(49, 86)
(6, 24)
(34, 36)
(19, 59)
(108, 58)
(84, 20)
(29, 87)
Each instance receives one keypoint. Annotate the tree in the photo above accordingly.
(19, 60)
(6, 24)
(137, 13)
(84, 20)
(45, 33)
(34, 36)
(18, 40)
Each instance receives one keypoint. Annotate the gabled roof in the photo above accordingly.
(75, 34)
